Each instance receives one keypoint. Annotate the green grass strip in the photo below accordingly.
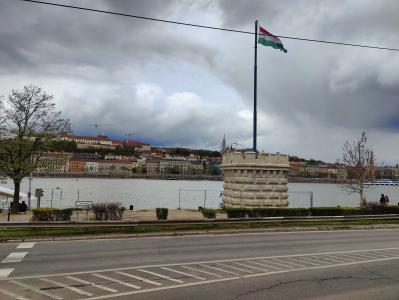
(8, 233)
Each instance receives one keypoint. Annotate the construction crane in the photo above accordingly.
(237, 144)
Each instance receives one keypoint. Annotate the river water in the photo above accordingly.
(147, 193)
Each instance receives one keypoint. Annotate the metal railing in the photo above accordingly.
(204, 198)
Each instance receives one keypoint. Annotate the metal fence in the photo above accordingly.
(199, 198)
(213, 198)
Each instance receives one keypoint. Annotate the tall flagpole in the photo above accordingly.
(255, 93)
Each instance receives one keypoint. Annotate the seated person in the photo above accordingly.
(23, 207)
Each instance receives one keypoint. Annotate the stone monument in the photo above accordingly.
(255, 181)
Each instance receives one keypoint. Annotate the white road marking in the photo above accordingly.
(15, 296)
(354, 252)
(235, 268)
(218, 269)
(201, 271)
(14, 257)
(162, 288)
(183, 273)
(279, 265)
(117, 281)
(263, 265)
(99, 286)
(139, 278)
(32, 288)
(161, 275)
(249, 266)
(5, 272)
(285, 261)
(76, 290)
(26, 245)
(308, 260)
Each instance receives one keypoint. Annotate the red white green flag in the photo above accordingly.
(267, 39)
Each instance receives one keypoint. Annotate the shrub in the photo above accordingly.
(209, 213)
(236, 212)
(51, 214)
(44, 214)
(376, 208)
(107, 211)
(162, 213)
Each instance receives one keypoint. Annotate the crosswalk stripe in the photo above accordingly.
(117, 281)
(99, 286)
(32, 288)
(139, 278)
(5, 272)
(26, 245)
(14, 257)
(76, 290)
(183, 273)
(202, 271)
(15, 296)
(161, 275)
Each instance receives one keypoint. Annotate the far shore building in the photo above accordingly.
(152, 166)
(176, 165)
(53, 162)
(77, 165)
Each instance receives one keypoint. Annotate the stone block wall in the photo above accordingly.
(251, 181)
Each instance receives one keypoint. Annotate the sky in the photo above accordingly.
(181, 86)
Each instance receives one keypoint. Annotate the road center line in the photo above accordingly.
(26, 245)
(92, 284)
(14, 257)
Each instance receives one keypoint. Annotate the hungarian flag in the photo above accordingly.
(268, 39)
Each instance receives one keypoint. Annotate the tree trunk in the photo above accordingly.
(15, 202)
(362, 200)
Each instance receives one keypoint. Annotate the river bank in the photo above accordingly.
(295, 179)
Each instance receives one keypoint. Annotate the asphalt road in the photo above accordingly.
(298, 265)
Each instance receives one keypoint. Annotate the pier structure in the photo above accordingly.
(255, 180)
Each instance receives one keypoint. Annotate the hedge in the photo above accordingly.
(51, 214)
(209, 213)
(315, 211)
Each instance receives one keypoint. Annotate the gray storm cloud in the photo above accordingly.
(140, 75)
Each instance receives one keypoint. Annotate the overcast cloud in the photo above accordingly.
(183, 86)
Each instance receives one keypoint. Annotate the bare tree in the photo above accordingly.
(28, 125)
(359, 161)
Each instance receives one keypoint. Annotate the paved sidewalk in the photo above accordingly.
(136, 215)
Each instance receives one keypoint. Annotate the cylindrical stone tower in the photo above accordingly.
(251, 181)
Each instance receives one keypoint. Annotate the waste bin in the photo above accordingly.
(131, 207)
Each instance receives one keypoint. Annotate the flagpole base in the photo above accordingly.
(255, 181)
